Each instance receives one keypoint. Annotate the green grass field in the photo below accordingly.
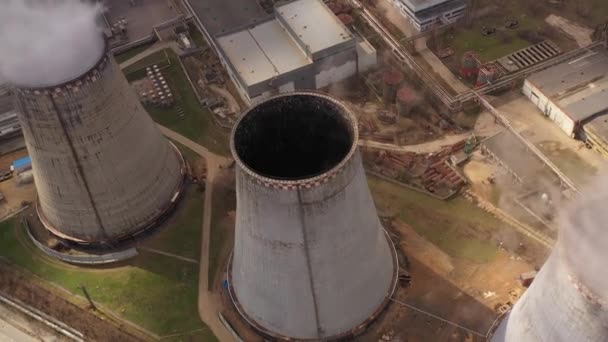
(197, 124)
(123, 56)
(157, 292)
(455, 226)
(221, 230)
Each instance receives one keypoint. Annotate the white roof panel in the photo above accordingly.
(315, 25)
(262, 52)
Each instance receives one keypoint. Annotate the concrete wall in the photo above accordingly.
(313, 262)
(102, 168)
(366, 56)
(550, 109)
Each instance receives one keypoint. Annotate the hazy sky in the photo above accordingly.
(47, 42)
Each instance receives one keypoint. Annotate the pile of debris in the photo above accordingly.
(430, 172)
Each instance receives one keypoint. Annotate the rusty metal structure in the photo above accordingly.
(391, 79)
(103, 172)
(311, 259)
(567, 301)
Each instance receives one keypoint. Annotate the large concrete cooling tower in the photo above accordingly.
(103, 171)
(311, 260)
(568, 299)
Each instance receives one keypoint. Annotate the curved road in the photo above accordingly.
(209, 305)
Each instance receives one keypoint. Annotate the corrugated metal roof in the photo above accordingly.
(579, 86)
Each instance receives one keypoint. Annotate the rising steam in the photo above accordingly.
(584, 237)
(47, 42)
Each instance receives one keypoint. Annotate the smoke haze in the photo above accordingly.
(47, 42)
(584, 237)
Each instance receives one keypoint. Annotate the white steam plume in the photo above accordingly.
(584, 237)
(47, 42)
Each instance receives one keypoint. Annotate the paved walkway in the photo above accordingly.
(428, 147)
(150, 51)
(209, 304)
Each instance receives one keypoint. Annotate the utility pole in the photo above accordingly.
(86, 294)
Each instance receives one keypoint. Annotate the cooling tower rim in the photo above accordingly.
(309, 182)
(100, 64)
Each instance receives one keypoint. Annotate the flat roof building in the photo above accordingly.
(424, 14)
(303, 46)
(573, 95)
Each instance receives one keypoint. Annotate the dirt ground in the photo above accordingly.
(570, 155)
(28, 290)
(581, 34)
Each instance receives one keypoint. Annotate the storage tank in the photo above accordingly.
(311, 259)
(391, 79)
(407, 99)
(567, 301)
(103, 172)
(470, 65)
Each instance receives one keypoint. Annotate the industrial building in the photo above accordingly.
(572, 94)
(103, 172)
(567, 299)
(303, 46)
(311, 259)
(425, 14)
(9, 123)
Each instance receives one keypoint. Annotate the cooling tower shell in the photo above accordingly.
(103, 171)
(311, 260)
(556, 307)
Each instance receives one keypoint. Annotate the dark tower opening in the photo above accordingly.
(294, 137)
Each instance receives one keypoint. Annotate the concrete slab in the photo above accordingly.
(221, 16)
(142, 17)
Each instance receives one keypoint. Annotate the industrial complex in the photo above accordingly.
(305, 46)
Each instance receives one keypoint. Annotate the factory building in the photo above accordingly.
(9, 123)
(567, 299)
(572, 94)
(311, 259)
(302, 46)
(103, 172)
(425, 14)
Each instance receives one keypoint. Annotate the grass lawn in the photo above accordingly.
(455, 226)
(157, 292)
(222, 229)
(197, 124)
(493, 47)
(123, 56)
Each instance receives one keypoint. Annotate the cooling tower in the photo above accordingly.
(567, 300)
(103, 172)
(311, 260)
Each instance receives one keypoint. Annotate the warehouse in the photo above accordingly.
(302, 46)
(424, 14)
(573, 95)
